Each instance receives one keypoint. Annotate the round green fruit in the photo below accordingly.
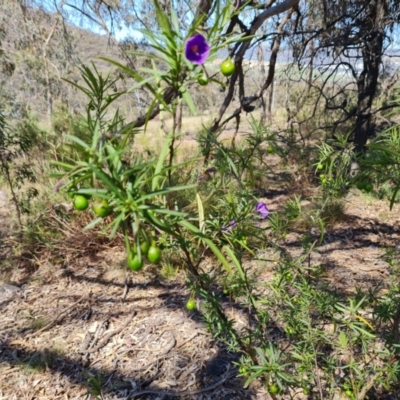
(361, 185)
(191, 305)
(228, 67)
(144, 247)
(154, 254)
(101, 208)
(71, 190)
(306, 391)
(349, 393)
(71, 194)
(324, 181)
(273, 388)
(288, 276)
(368, 187)
(202, 80)
(133, 262)
(270, 150)
(80, 202)
(320, 167)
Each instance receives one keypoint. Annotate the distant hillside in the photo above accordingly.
(37, 51)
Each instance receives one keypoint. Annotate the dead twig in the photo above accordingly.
(370, 383)
(109, 335)
(167, 348)
(56, 319)
(228, 374)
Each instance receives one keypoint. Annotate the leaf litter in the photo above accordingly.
(81, 323)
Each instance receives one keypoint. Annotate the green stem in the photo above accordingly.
(215, 304)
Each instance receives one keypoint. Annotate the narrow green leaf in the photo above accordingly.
(188, 100)
(116, 222)
(141, 83)
(233, 258)
(166, 190)
(62, 165)
(201, 213)
(81, 88)
(163, 20)
(393, 199)
(160, 162)
(343, 340)
(107, 181)
(80, 142)
(157, 222)
(363, 331)
(210, 244)
(162, 211)
(93, 224)
(175, 21)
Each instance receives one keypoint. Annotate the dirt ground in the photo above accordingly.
(68, 322)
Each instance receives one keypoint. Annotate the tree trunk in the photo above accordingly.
(367, 82)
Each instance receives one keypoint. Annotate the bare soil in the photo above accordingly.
(79, 317)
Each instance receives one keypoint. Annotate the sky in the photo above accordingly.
(120, 33)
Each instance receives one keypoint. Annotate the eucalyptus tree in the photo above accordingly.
(343, 44)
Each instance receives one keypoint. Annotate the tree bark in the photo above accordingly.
(367, 82)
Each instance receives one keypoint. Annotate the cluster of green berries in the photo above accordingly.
(152, 252)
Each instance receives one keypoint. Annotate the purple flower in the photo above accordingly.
(262, 210)
(197, 49)
(398, 247)
(232, 224)
(211, 170)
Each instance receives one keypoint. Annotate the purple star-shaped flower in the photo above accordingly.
(197, 49)
(232, 224)
(262, 210)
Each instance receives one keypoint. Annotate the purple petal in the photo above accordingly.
(197, 49)
(232, 224)
(262, 210)
(211, 170)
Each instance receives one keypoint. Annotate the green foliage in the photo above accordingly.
(333, 167)
(15, 143)
(94, 384)
(381, 163)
